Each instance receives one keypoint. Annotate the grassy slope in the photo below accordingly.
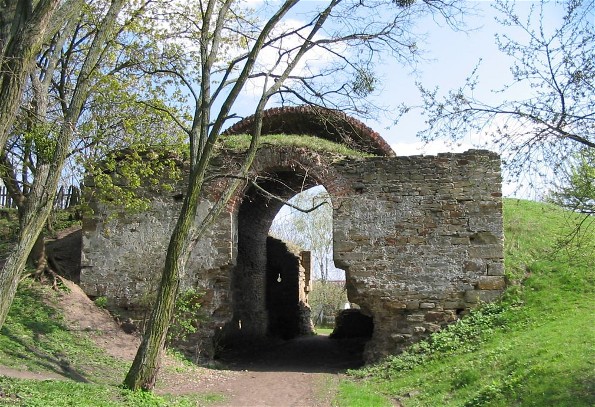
(533, 349)
(35, 338)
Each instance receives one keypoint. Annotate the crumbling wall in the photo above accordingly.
(421, 241)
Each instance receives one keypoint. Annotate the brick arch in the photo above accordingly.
(298, 160)
(320, 122)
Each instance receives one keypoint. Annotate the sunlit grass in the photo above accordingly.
(35, 338)
(242, 142)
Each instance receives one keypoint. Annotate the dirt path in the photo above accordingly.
(301, 372)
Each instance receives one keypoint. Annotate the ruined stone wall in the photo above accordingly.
(123, 255)
(421, 241)
(286, 300)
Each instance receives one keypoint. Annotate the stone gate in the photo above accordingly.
(420, 238)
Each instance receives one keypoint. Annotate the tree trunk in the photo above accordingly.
(40, 200)
(18, 60)
(145, 367)
(34, 219)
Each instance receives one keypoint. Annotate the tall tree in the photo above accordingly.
(53, 145)
(235, 51)
(553, 69)
(23, 27)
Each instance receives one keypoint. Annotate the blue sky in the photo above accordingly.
(449, 57)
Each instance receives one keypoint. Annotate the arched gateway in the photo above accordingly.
(420, 238)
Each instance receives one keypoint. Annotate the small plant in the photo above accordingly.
(101, 302)
(187, 315)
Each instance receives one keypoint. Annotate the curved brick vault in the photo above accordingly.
(420, 238)
(329, 124)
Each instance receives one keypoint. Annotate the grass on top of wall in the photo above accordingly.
(242, 142)
(534, 348)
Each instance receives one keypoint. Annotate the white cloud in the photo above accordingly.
(431, 148)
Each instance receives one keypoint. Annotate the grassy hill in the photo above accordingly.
(535, 348)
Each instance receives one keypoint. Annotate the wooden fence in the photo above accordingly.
(66, 197)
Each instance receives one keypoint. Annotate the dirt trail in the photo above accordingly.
(300, 372)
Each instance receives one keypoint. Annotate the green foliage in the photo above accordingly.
(187, 315)
(466, 335)
(242, 142)
(101, 302)
(120, 177)
(579, 194)
(43, 140)
(365, 82)
(326, 297)
(530, 349)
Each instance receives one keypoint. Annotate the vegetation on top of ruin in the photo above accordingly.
(242, 142)
(530, 349)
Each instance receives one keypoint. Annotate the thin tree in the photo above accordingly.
(34, 211)
(23, 28)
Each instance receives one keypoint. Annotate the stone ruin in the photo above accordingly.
(420, 238)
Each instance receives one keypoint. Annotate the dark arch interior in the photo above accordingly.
(266, 302)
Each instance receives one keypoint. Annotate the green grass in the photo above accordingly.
(35, 338)
(323, 330)
(242, 142)
(55, 393)
(534, 348)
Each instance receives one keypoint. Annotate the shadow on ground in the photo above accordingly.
(308, 354)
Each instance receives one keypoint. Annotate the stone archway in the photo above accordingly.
(420, 238)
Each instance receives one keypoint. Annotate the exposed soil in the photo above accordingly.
(300, 372)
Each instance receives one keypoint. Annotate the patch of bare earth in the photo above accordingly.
(301, 372)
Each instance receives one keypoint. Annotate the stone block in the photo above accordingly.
(427, 305)
(432, 327)
(495, 269)
(491, 283)
(488, 251)
(400, 338)
(393, 305)
(433, 316)
(475, 296)
(473, 265)
(416, 318)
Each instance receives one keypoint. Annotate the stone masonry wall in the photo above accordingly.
(421, 241)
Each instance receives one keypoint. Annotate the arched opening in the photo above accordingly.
(273, 275)
(312, 231)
